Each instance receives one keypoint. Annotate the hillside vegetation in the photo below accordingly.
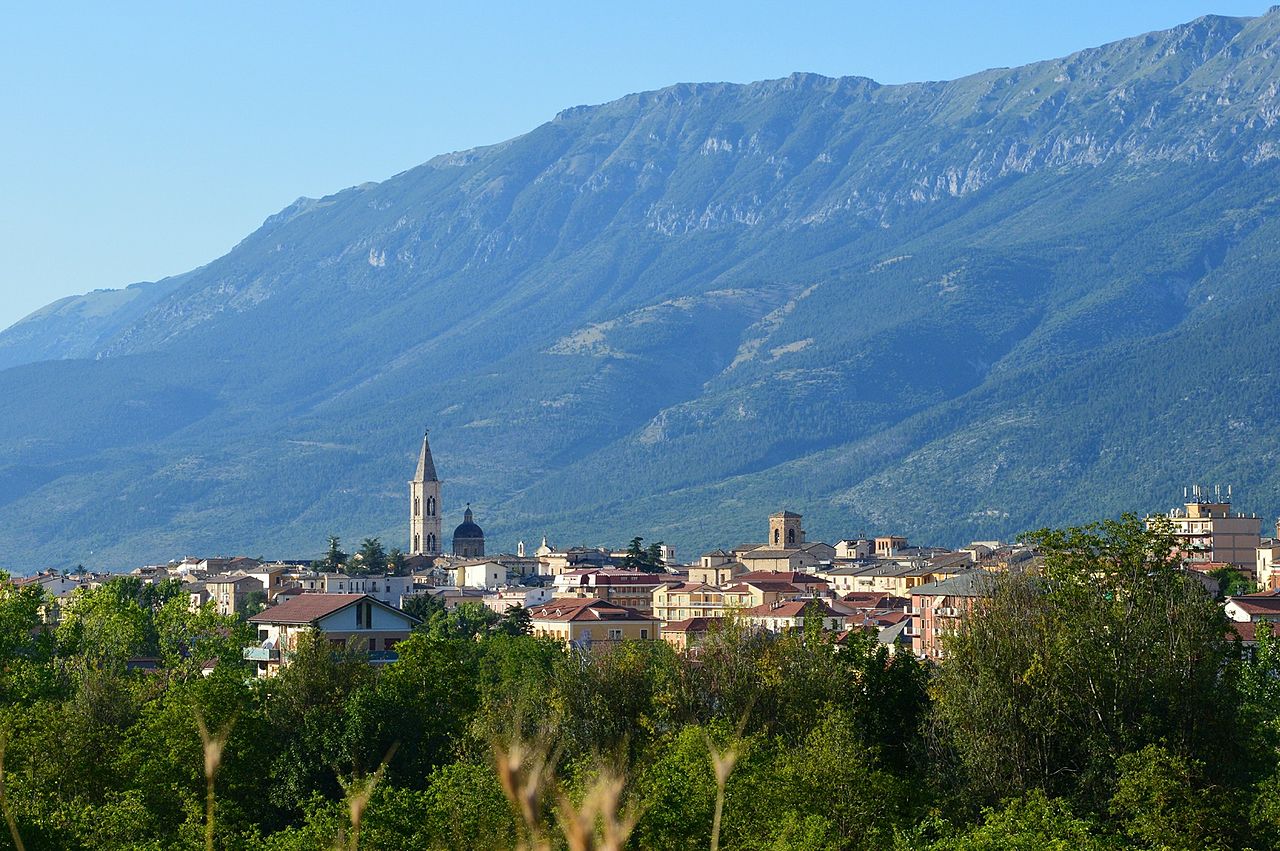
(953, 310)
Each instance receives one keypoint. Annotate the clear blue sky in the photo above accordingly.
(143, 139)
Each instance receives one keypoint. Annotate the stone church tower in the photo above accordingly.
(785, 531)
(424, 506)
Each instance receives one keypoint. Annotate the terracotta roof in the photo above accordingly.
(584, 609)
(1257, 607)
(1266, 598)
(791, 609)
(1248, 631)
(873, 600)
(691, 586)
(793, 576)
(308, 608)
(689, 625)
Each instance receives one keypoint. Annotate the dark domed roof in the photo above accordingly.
(468, 529)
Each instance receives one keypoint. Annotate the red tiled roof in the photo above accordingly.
(307, 608)
(689, 625)
(584, 609)
(1248, 631)
(691, 586)
(874, 600)
(1257, 604)
(791, 609)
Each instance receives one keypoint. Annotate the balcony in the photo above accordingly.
(262, 654)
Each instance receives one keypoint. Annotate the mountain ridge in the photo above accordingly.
(668, 314)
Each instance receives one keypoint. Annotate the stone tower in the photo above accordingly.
(424, 506)
(785, 531)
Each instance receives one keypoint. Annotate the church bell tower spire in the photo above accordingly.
(424, 505)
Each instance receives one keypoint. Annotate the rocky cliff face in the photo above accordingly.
(930, 306)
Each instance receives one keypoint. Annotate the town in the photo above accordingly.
(906, 596)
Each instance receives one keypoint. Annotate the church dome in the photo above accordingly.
(467, 528)
(468, 538)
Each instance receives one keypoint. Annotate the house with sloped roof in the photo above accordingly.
(356, 621)
(794, 614)
(588, 622)
(689, 632)
(1243, 608)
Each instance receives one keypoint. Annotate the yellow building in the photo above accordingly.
(587, 622)
(687, 600)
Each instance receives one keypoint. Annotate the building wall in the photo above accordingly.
(935, 617)
(600, 632)
(1265, 566)
(424, 518)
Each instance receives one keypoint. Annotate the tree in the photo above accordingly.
(1031, 823)
(395, 562)
(306, 705)
(466, 621)
(516, 621)
(372, 558)
(1158, 804)
(641, 558)
(422, 606)
(334, 558)
(1231, 582)
(1055, 676)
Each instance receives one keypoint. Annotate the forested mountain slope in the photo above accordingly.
(951, 310)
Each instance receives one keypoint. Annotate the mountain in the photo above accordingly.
(953, 310)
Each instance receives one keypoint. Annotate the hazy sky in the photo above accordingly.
(143, 139)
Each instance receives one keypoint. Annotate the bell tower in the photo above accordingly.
(424, 506)
(785, 531)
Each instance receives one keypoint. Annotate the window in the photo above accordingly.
(615, 635)
(263, 635)
(417, 507)
(644, 633)
(791, 536)
(364, 615)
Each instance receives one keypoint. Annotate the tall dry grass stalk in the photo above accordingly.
(722, 763)
(600, 823)
(526, 772)
(214, 744)
(359, 791)
(4, 797)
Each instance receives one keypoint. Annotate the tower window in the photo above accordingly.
(791, 536)
(417, 507)
(777, 536)
(431, 506)
(417, 541)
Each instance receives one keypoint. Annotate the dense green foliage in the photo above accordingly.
(952, 310)
(1093, 705)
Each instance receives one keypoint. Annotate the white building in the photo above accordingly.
(358, 620)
